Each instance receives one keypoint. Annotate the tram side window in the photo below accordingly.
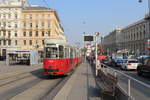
(61, 51)
(51, 52)
(71, 53)
(66, 52)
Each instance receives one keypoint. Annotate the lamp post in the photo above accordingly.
(84, 47)
(148, 16)
(96, 56)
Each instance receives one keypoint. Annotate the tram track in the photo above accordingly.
(52, 92)
(31, 86)
(14, 74)
(15, 78)
(10, 93)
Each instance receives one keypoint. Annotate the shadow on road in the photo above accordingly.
(39, 73)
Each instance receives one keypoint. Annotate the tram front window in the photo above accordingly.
(51, 52)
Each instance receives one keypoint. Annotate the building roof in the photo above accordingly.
(36, 7)
(134, 24)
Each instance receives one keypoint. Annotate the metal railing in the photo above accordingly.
(135, 89)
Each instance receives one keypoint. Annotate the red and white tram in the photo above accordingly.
(60, 58)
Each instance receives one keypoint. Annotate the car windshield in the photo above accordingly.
(133, 61)
(147, 61)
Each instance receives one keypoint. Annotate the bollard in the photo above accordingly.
(129, 83)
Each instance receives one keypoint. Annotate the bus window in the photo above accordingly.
(61, 51)
(51, 52)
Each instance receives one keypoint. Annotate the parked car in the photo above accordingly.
(117, 62)
(130, 64)
(144, 68)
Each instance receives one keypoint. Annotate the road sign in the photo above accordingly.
(88, 38)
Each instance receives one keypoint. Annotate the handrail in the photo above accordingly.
(146, 85)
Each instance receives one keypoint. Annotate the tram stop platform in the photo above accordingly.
(81, 86)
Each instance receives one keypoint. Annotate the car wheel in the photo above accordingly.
(125, 68)
(140, 73)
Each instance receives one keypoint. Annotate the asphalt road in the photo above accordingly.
(138, 91)
(30, 85)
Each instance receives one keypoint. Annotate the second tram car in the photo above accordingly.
(60, 58)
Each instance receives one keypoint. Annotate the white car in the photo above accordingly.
(130, 64)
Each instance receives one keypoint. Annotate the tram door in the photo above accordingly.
(71, 58)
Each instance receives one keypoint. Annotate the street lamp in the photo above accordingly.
(148, 16)
(96, 56)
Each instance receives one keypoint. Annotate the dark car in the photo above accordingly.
(144, 68)
(117, 62)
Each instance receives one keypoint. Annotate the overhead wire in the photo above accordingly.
(45, 1)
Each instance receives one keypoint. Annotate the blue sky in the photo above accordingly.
(78, 16)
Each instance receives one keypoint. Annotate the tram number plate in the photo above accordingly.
(50, 61)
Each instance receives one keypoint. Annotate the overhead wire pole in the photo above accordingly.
(96, 55)
(148, 6)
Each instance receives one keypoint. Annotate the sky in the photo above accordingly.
(90, 16)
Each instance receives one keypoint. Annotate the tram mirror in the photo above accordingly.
(88, 38)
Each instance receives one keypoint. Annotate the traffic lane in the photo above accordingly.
(133, 73)
(137, 91)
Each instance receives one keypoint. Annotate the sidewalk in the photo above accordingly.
(81, 86)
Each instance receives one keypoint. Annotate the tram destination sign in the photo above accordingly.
(88, 38)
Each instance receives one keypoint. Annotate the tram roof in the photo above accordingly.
(56, 41)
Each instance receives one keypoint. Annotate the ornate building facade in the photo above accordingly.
(132, 38)
(26, 27)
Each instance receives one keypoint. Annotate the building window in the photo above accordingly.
(30, 42)
(9, 24)
(30, 25)
(30, 33)
(4, 33)
(8, 33)
(4, 24)
(30, 16)
(4, 42)
(15, 42)
(49, 15)
(42, 33)
(24, 33)
(16, 16)
(36, 24)
(16, 25)
(4, 16)
(36, 34)
(49, 33)
(49, 24)
(43, 24)
(24, 41)
(24, 24)
(9, 15)
(9, 42)
(15, 34)
(43, 42)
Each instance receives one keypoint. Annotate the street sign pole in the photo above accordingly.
(84, 47)
(96, 55)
